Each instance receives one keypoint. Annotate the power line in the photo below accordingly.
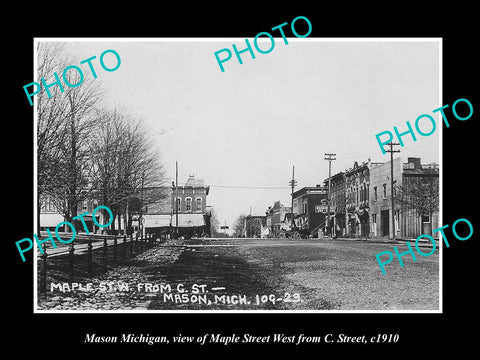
(250, 187)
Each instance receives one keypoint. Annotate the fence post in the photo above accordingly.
(131, 244)
(115, 249)
(124, 246)
(71, 252)
(105, 246)
(89, 256)
(43, 285)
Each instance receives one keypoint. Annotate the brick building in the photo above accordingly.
(188, 201)
(337, 203)
(307, 209)
(357, 189)
(255, 226)
(50, 217)
(410, 179)
(275, 215)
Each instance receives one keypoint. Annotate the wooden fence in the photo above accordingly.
(87, 255)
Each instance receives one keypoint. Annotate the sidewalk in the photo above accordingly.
(383, 240)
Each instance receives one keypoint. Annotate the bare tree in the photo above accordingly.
(239, 226)
(127, 171)
(214, 224)
(419, 194)
(85, 151)
(50, 119)
(74, 178)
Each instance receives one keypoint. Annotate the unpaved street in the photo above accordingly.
(261, 274)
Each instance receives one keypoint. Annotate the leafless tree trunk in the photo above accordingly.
(125, 163)
(419, 195)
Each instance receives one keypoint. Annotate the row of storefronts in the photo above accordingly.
(361, 200)
(177, 211)
(360, 203)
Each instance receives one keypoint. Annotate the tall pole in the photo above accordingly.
(330, 157)
(292, 183)
(140, 222)
(391, 151)
(176, 197)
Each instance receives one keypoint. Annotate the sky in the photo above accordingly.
(242, 130)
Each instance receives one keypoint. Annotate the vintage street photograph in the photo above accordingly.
(167, 180)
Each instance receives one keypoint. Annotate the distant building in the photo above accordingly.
(151, 211)
(337, 203)
(255, 226)
(274, 216)
(189, 202)
(307, 209)
(50, 217)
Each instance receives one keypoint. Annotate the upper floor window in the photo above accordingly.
(179, 201)
(384, 191)
(188, 204)
(198, 202)
(375, 193)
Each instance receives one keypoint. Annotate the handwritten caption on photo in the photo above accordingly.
(180, 293)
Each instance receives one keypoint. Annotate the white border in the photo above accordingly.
(439, 40)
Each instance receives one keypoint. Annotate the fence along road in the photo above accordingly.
(81, 243)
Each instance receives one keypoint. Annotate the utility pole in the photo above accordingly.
(176, 197)
(330, 157)
(391, 151)
(140, 221)
(292, 183)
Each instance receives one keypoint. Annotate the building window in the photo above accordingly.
(179, 201)
(188, 204)
(304, 207)
(375, 193)
(384, 191)
(198, 201)
(425, 218)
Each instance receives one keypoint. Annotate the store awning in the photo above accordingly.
(50, 220)
(156, 220)
(188, 220)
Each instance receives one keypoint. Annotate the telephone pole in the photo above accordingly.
(292, 183)
(329, 157)
(176, 197)
(391, 151)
